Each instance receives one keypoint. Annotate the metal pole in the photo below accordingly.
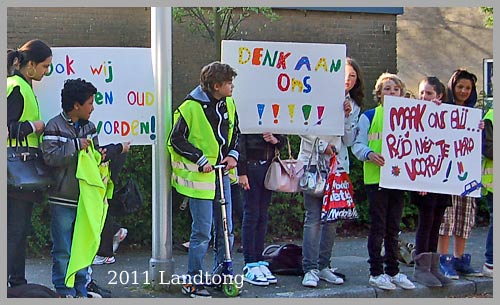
(161, 264)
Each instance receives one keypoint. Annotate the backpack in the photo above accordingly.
(284, 259)
(126, 200)
(31, 291)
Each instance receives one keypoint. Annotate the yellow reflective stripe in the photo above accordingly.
(488, 171)
(374, 136)
(181, 165)
(206, 186)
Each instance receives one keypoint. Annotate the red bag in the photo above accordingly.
(338, 202)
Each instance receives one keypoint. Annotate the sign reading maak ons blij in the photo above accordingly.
(125, 104)
(431, 148)
(288, 87)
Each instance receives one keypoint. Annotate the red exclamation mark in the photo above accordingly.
(276, 110)
(321, 110)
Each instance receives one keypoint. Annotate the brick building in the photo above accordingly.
(414, 41)
(369, 33)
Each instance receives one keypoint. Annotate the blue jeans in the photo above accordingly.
(206, 213)
(255, 212)
(61, 231)
(489, 238)
(18, 227)
(318, 237)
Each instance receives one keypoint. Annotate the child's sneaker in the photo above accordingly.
(267, 273)
(382, 281)
(462, 266)
(195, 291)
(311, 278)
(446, 267)
(488, 270)
(253, 275)
(402, 281)
(118, 238)
(326, 274)
(100, 260)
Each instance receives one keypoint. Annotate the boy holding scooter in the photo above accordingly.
(205, 134)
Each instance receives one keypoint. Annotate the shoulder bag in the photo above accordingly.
(26, 170)
(313, 182)
(284, 175)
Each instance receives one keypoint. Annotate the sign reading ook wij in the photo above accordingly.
(431, 148)
(288, 88)
(125, 103)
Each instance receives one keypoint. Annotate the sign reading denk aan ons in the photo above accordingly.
(288, 88)
(431, 148)
(125, 103)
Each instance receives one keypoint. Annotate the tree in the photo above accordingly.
(488, 20)
(219, 23)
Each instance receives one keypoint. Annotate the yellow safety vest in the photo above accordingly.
(487, 179)
(31, 112)
(186, 178)
(371, 171)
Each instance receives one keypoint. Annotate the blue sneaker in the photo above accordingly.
(446, 267)
(462, 266)
(253, 275)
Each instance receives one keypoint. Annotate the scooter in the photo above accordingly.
(225, 269)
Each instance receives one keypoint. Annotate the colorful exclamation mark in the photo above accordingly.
(448, 170)
(260, 111)
(152, 136)
(321, 110)
(276, 110)
(291, 111)
(306, 111)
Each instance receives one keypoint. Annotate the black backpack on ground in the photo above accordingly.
(31, 291)
(284, 259)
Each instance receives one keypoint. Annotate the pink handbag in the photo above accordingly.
(284, 175)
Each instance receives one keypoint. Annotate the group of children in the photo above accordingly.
(195, 127)
(205, 133)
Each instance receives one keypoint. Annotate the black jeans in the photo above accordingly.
(431, 209)
(108, 231)
(255, 212)
(18, 227)
(385, 210)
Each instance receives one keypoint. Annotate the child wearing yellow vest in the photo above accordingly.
(385, 205)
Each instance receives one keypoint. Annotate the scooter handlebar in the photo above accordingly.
(222, 166)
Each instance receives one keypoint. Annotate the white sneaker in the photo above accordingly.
(101, 260)
(118, 238)
(402, 281)
(253, 275)
(267, 273)
(311, 278)
(326, 274)
(381, 281)
(488, 270)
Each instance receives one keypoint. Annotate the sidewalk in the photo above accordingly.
(127, 277)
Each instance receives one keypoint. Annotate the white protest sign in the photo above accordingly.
(125, 103)
(288, 88)
(431, 148)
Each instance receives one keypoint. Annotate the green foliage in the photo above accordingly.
(219, 23)
(202, 20)
(286, 216)
(39, 239)
(488, 19)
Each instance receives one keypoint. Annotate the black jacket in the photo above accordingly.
(252, 147)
